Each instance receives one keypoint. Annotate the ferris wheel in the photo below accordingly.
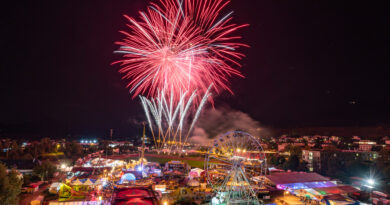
(234, 168)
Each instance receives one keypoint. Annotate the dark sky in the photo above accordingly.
(311, 63)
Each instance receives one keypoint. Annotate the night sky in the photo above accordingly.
(311, 63)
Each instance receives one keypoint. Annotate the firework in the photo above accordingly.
(167, 120)
(174, 57)
(180, 45)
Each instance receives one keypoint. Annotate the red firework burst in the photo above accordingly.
(180, 45)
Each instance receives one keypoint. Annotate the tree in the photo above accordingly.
(277, 160)
(302, 167)
(292, 163)
(318, 143)
(295, 150)
(74, 150)
(46, 170)
(46, 145)
(27, 156)
(14, 153)
(386, 173)
(10, 186)
(384, 157)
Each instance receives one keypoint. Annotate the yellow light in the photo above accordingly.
(100, 198)
(238, 150)
(165, 203)
(244, 150)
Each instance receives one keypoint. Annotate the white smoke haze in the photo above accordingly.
(214, 122)
(200, 137)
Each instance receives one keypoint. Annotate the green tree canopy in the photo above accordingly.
(46, 170)
(10, 186)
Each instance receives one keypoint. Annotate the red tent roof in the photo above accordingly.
(137, 200)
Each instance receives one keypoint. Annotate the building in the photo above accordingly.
(283, 146)
(317, 159)
(313, 159)
(365, 145)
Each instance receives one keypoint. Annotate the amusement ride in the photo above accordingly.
(234, 166)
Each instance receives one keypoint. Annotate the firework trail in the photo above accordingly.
(169, 120)
(180, 45)
(174, 57)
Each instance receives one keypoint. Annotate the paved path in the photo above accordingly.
(26, 198)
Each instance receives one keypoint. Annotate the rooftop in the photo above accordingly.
(295, 177)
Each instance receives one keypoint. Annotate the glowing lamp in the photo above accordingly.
(371, 181)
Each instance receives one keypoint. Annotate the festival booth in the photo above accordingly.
(135, 195)
(83, 184)
(193, 183)
(78, 203)
(89, 182)
(177, 166)
(127, 178)
(54, 187)
(153, 169)
(338, 199)
(196, 172)
(76, 182)
(291, 181)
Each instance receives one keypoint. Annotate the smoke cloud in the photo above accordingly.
(214, 122)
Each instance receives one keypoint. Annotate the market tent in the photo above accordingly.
(88, 182)
(98, 181)
(135, 200)
(54, 187)
(128, 177)
(177, 172)
(338, 199)
(195, 172)
(193, 183)
(77, 182)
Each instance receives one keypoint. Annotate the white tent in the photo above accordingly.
(88, 182)
(54, 187)
(77, 182)
(98, 181)
(195, 172)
